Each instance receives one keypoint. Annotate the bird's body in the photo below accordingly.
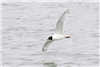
(58, 35)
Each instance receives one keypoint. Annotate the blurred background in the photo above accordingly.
(26, 26)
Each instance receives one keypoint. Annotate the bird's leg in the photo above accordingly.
(67, 36)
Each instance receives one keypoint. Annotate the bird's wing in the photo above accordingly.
(60, 23)
(46, 45)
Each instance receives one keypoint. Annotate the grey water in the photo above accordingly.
(27, 25)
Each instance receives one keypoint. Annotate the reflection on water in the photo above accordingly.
(50, 64)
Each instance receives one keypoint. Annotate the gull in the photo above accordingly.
(58, 35)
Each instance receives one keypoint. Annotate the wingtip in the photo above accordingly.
(67, 11)
(44, 50)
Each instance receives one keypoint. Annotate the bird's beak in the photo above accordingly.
(47, 39)
(68, 37)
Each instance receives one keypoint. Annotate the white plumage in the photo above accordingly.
(59, 31)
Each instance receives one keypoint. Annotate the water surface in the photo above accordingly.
(26, 26)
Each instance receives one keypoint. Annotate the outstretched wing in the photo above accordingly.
(46, 45)
(60, 23)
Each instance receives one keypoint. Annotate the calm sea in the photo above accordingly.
(27, 25)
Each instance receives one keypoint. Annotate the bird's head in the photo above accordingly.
(50, 38)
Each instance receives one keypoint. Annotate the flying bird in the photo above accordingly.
(58, 35)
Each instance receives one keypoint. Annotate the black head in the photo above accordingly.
(50, 38)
